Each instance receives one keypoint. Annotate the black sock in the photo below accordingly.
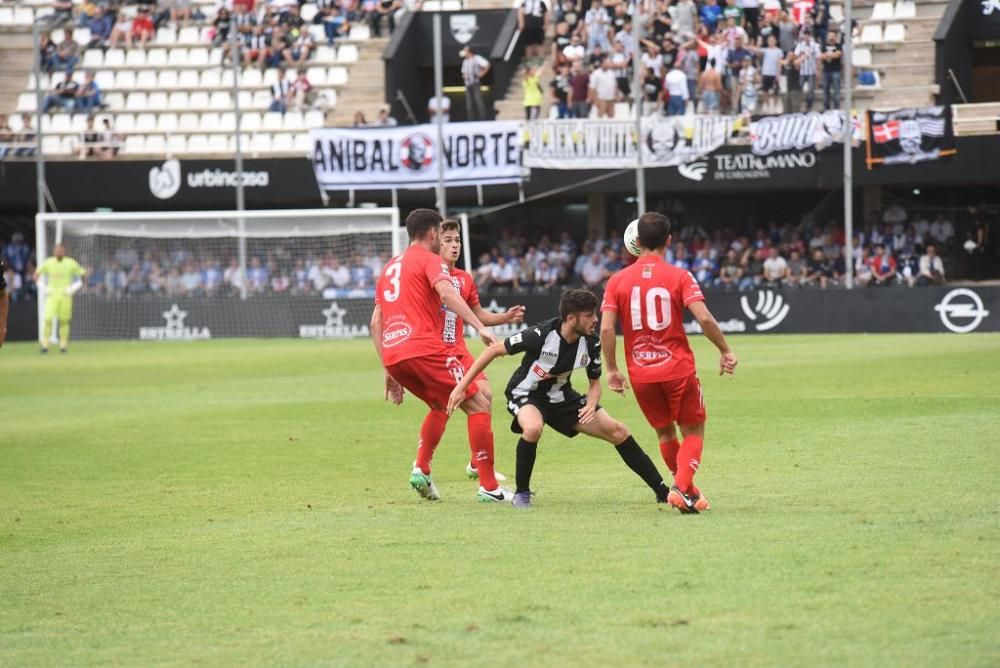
(525, 463)
(637, 460)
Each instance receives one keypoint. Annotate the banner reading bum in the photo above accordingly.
(481, 153)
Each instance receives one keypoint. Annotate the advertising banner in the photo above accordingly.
(586, 144)
(480, 153)
(947, 309)
(907, 136)
(798, 132)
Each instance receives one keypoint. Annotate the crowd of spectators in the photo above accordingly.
(709, 56)
(896, 250)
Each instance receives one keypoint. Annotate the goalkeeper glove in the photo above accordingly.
(3, 277)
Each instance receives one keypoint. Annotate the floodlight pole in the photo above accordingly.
(848, 83)
(442, 201)
(234, 61)
(39, 98)
(638, 99)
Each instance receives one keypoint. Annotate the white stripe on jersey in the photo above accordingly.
(545, 362)
(556, 394)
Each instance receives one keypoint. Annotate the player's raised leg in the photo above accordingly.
(530, 422)
(606, 428)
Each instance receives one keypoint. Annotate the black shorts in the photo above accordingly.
(533, 36)
(769, 84)
(562, 416)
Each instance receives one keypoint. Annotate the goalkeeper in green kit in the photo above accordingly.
(64, 276)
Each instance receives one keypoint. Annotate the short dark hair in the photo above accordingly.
(449, 225)
(654, 230)
(420, 222)
(577, 301)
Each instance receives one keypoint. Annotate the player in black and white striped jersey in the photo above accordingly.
(540, 393)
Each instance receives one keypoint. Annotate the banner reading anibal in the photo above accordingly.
(481, 153)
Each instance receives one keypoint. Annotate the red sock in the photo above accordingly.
(431, 432)
(688, 459)
(668, 451)
(481, 443)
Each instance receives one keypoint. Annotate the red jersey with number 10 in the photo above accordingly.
(649, 298)
(453, 332)
(412, 313)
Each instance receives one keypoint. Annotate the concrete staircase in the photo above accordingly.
(16, 55)
(365, 90)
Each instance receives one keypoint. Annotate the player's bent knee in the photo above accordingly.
(693, 429)
(619, 432)
(531, 433)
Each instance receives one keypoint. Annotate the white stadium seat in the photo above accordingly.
(125, 80)
(227, 121)
(176, 144)
(134, 144)
(361, 33)
(302, 143)
(251, 78)
(271, 120)
(882, 11)
(188, 36)
(105, 79)
(157, 100)
(347, 53)
(246, 99)
(316, 76)
(209, 121)
(260, 143)
(188, 79)
(250, 121)
(309, 11)
(336, 76)
(215, 57)
(226, 81)
(6, 16)
(114, 58)
(205, 35)
(270, 76)
(198, 56)
(81, 35)
(93, 58)
(146, 79)
(123, 122)
(198, 100)
(325, 55)
(871, 34)
(451, 6)
(145, 122)
(317, 33)
(894, 32)
(178, 57)
(178, 101)
(314, 119)
(52, 146)
(165, 36)
(293, 121)
(261, 99)
(167, 79)
(45, 82)
(167, 122)
(197, 143)
(60, 123)
(431, 6)
(905, 10)
(135, 102)
(23, 16)
(220, 100)
(156, 144)
(837, 13)
(219, 144)
(282, 143)
(210, 79)
(188, 122)
(135, 58)
(79, 123)
(115, 101)
(156, 58)
(861, 57)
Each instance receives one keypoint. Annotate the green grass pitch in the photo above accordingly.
(240, 503)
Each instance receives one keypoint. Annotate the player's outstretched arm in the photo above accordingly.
(513, 315)
(710, 328)
(492, 352)
(393, 390)
(450, 298)
(609, 342)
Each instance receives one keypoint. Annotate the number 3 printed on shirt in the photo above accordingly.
(392, 275)
(657, 308)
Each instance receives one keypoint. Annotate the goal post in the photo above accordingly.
(203, 274)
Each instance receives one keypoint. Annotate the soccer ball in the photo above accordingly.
(632, 238)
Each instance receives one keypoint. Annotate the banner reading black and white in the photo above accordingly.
(585, 144)
(906, 136)
(480, 153)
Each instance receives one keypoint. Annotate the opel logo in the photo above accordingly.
(965, 307)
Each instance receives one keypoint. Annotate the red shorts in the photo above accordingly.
(467, 361)
(431, 378)
(671, 401)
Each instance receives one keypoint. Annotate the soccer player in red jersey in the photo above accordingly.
(649, 297)
(452, 333)
(406, 328)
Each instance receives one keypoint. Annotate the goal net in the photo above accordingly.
(210, 274)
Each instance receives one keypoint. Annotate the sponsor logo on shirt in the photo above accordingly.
(540, 372)
(395, 334)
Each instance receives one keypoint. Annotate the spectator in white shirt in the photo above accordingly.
(592, 271)
(775, 268)
(677, 87)
(931, 267)
(575, 50)
(474, 68)
(604, 89)
(504, 274)
(484, 274)
(596, 22)
(443, 103)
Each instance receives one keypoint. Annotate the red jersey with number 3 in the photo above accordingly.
(412, 313)
(453, 332)
(649, 298)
